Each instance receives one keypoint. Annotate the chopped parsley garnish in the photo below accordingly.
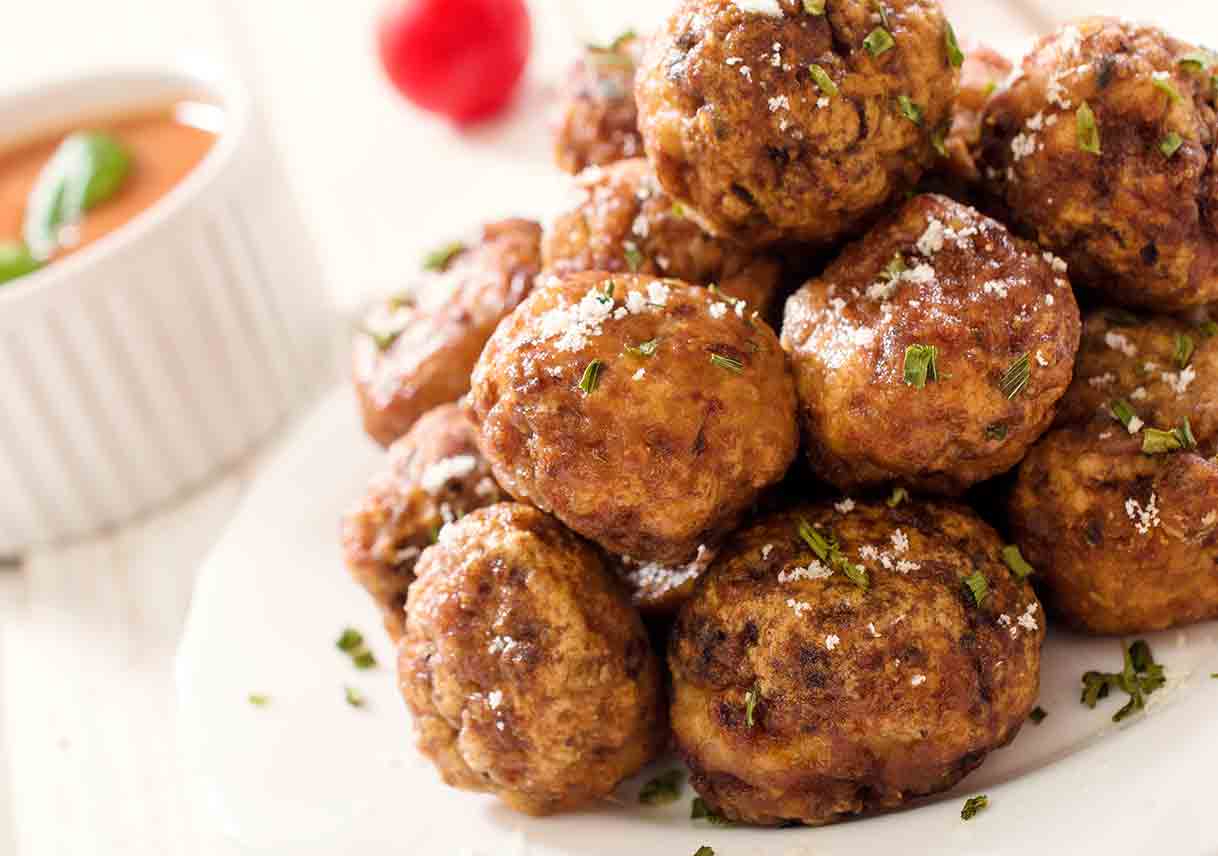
(677, 210)
(1170, 144)
(634, 258)
(351, 643)
(978, 586)
(732, 365)
(814, 7)
(911, 111)
(440, 258)
(1195, 62)
(878, 42)
(699, 810)
(1157, 442)
(663, 789)
(1123, 412)
(714, 289)
(644, 349)
(259, 700)
(1139, 677)
(1088, 131)
(973, 805)
(996, 432)
(1016, 562)
(592, 377)
(704, 850)
(1209, 329)
(955, 56)
(938, 139)
(384, 337)
(750, 705)
(1184, 350)
(626, 36)
(1038, 715)
(1017, 376)
(828, 551)
(606, 295)
(353, 696)
(823, 81)
(921, 365)
(899, 495)
(1166, 87)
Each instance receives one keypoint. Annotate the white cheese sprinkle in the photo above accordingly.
(1119, 342)
(718, 310)
(845, 506)
(917, 680)
(760, 7)
(799, 606)
(832, 641)
(1179, 381)
(815, 571)
(1144, 519)
(779, 102)
(766, 550)
(439, 474)
(1101, 380)
(931, 241)
(640, 374)
(1138, 394)
(657, 293)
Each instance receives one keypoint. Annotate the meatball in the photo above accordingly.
(932, 352)
(773, 123)
(646, 414)
(433, 475)
(1102, 148)
(599, 122)
(801, 695)
(1123, 541)
(527, 672)
(416, 351)
(623, 221)
(983, 71)
(1164, 369)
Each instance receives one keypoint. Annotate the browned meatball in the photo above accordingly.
(801, 696)
(939, 275)
(433, 475)
(623, 221)
(415, 351)
(599, 123)
(646, 414)
(528, 673)
(1123, 541)
(1164, 369)
(1103, 148)
(774, 123)
(983, 71)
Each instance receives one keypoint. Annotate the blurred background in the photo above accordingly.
(87, 636)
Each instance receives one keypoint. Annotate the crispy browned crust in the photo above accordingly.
(918, 687)
(984, 70)
(1080, 513)
(651, 467)
(528, 673)
(623, 222)
(863, 425)
(598, 122)
(761, 169)
(445, 319)
(1134, 224)
(1130, 357)
(408, 502)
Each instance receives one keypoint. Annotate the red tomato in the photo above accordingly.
(460, 58)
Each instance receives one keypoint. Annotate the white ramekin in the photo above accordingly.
(139, 366)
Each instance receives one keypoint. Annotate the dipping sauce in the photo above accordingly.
(164, 145)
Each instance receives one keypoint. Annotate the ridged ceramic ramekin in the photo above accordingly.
(142, 364)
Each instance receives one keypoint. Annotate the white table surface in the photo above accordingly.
(88, 631)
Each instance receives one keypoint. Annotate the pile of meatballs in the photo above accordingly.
(763, 450)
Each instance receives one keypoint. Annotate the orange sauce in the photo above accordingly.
(164, 145)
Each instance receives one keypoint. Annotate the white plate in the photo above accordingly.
(307, 774)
